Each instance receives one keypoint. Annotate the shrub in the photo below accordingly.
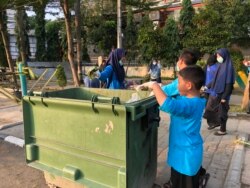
(237, 58)
(61, 77)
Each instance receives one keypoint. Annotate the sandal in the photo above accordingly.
(168, 184)
(212, 127)
(220, 133)
(203, 180)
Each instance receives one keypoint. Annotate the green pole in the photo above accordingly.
(22, 79)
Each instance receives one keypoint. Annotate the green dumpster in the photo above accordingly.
(93, 137)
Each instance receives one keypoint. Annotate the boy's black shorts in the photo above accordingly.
(183, 181)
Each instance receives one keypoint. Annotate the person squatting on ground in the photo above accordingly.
(185, 142)
(113, 73)
(221, 88)
(91, 80)
(155, 71)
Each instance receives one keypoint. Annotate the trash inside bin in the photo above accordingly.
(94, 137)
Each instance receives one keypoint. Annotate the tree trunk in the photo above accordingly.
(78, 39)
(66, 11)
(21, 35)
(4, 34)
(40, 32)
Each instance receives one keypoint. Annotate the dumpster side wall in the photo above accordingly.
(62, 135)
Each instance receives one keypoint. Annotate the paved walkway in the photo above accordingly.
(227, 162)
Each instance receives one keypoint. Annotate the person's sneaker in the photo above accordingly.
(220, 133)
(210, 127)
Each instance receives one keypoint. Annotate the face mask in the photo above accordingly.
(120, 62)
(154, 62)
(177, 68)
(220, 59)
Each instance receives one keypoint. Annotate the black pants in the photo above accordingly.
(158, 80)
(216, 112)
(183, 181)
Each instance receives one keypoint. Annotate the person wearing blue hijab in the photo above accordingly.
(113, 73)
(221, 89)
(210, 70)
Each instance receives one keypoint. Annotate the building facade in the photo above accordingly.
(166, 8)
(11, 24)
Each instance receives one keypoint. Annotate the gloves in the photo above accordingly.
(146, 85)
(149, 84)
(93, 73)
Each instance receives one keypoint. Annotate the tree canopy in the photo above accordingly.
(219, 24)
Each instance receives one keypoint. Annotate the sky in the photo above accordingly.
(53, 12)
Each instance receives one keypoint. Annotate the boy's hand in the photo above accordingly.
(149, 84)
(140, 87)
(146, 85)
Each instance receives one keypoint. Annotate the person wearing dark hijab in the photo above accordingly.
(216, 111)
(113, 73)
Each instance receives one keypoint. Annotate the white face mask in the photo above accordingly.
(220, 59)
(177, 68)
(154, 62)
(120, 62)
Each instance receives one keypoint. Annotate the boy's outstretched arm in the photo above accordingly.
(158, 92)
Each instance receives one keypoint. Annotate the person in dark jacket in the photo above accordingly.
(155, 71)
(221, 88)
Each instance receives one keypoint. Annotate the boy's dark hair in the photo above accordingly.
(211, 60)
(190, 56)
(194, 74)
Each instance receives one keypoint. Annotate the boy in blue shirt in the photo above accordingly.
(188, 57)
(185, 142)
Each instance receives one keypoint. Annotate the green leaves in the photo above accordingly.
(149, 40)
(171, 42)
(4, 4)
(186, 15)
(104, 36)
(218, 25)
(61, 77)
(130, 37)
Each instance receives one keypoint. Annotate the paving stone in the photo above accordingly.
(214, 183)
(232, 125)
(245, 179)
(233, 178)
(244, 126)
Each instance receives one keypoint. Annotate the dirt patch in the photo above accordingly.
(14, 171)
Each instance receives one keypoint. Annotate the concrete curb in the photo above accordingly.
(233, 178)
(6, 107)
(12, 139)
(238, 115)
(6, 126)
